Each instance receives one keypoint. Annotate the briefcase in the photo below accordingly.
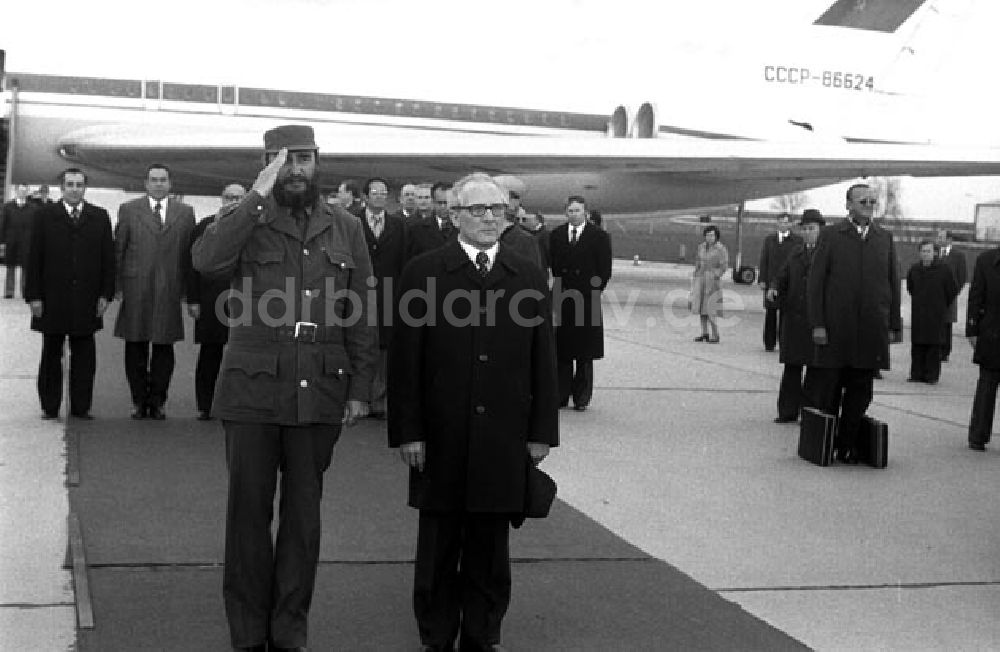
(873, 442)
(816, 434)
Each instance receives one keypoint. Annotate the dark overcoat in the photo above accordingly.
(955, 261)
(15, 230)
(152, 262)
(774, 254)
(388, 255)
(580, 273)
(983, 317)
(854, 293)
(791, 283)
(522, 243)
(281, 277)
(70, 268)
(211, 326)
(423, 235)
(475, 384)
(932, 289)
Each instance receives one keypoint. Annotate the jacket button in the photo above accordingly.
(303, 383)
(305, 252)
(311, 293)
(480, 409)
(483, 357)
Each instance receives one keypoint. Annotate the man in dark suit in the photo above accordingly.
(853, 302)
(982, 327)
(153, 258)
(385, 235)
(788, 291)
(210, 328)
(955, 261)
(581, 269)
(408, 203)
(349, 196)
(471, 404)
(534, 224)
(16, 220)
(293, 375)
(515, 237)
(775, 251)
(425, 199)
(429, 233)
(69, 280)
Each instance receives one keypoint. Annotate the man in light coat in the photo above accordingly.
(153, 259)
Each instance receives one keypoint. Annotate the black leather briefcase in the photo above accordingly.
(816, 434)
(873, 442)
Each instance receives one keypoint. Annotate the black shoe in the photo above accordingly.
(712, 340)
(911, 379)
(580, 408)
(848, 456)
(944, 358)
(48, 415)
(977, 446)
(203, 415)
(252, 648)
(156, 412)
(274, 648)
(139, 412)
(769, 349)
(785, 419)
(701, 338)
(8, 296)
(878, 375)
(86, 416)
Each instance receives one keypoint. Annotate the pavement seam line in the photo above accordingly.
(857, 587)
(81, 586)
(157, 566)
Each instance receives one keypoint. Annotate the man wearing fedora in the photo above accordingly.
(297, 368)
(472, 403)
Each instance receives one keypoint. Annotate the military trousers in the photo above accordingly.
(267, 588)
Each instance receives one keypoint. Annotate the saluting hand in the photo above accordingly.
(267, 177)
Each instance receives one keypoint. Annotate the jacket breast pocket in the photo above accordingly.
(267, 269)
(249, 382)
(333, 385)
(338, 270)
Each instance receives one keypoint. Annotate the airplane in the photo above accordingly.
(649, 152)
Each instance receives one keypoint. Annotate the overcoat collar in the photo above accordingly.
(455, 259)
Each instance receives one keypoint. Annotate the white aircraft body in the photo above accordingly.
(831, 116)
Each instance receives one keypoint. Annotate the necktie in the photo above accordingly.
(572, 235)
(376, 225)
(483, 263)
(75, 215)
(158, 209)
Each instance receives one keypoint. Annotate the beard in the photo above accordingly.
(296, 198)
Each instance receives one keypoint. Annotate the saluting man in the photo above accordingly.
(292, 375)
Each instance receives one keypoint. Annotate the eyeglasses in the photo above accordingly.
(479, 210)
(232, 197)
(867, 202)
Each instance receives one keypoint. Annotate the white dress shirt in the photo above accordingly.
(163, 207)
(472, 252)
(579, 231)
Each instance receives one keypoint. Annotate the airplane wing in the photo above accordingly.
(201, 161)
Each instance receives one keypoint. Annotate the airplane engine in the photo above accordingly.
(644, 125)
(618, 125)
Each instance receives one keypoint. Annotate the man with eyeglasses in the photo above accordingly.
(434, 231)
(472, 403)
(210, 329)
(581, 269)
(385, 235)
(853, 303)
(296, 371)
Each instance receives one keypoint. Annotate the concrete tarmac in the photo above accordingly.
(677, 458)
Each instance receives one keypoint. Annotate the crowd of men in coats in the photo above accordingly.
(832, 301)
(283, 389)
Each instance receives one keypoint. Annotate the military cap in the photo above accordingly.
(812, 216)
(291, 137)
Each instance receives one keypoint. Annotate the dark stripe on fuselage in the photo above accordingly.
(305, 101)
(872, 15)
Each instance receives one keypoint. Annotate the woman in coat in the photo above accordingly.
(711, 263)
